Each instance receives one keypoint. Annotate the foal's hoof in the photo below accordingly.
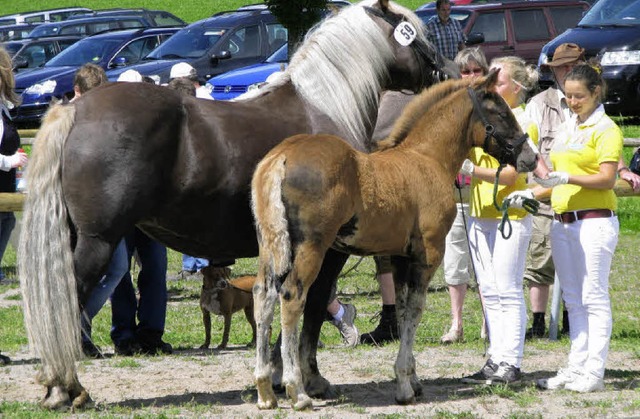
(57, 398)
(303, 403)
(318, 386)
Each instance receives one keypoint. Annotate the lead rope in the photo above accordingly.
(529, 205)
(473, 270)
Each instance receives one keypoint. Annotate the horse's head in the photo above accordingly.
(417, 63)
(496, 128)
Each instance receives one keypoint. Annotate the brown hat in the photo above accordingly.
(566, 54)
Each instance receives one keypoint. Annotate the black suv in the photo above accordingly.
(214, 45)
(515, 27)
(611, 32)
(89, 26)
(154, 17)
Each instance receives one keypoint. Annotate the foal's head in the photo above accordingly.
(496, 129)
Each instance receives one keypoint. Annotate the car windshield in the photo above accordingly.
(187, 43)
(613, 13)
(280, 56)
(86, 51)
(12, 47)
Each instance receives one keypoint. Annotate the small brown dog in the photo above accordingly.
(224, 297)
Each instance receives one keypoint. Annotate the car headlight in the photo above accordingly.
(41, 88)
(620, 58)
(254, 86)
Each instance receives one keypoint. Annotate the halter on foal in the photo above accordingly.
(315, 192)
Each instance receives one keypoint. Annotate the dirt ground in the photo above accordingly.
(217, 383)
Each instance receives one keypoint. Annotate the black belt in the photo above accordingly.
(571, 216)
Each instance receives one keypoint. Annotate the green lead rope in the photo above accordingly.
(530, 205)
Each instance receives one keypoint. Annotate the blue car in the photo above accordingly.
(233, 83)
(54, 80)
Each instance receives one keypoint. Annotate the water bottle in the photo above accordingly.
(21, 182)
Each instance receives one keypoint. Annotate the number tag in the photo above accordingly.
(405, 33)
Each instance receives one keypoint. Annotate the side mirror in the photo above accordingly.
(119, 62)
(475, 38)
(20, 62)
(222, 55)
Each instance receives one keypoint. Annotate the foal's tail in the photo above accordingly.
(269, 213)
(45, 262)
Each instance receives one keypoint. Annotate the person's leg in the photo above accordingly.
(343, 317)
(7, 224)
(539, 273)
(387, 329)
(152, 285)
(124, 306)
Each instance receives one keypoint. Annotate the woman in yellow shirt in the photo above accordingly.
(584, 233)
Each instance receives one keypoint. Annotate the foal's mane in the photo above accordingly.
(418, 107)
(340, 66)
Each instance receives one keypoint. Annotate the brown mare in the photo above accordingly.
(315, 192)
(180, 168)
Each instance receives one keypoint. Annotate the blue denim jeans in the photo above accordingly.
(117, 269)
(151, 308)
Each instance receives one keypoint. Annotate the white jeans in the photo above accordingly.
(499, 265)
(582, 253)
(457, 262)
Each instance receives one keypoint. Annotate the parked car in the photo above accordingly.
(514, 28)
(54, 80)
(232, 84)
(41, 16)
(89, 26)
(15, 32)
(34, 52)
(610, 31)
(215, 45)
(155, 17)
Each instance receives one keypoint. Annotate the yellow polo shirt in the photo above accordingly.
(579, 150)
(482, 192)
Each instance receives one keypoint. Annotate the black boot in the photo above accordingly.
(387, 330)
(538, 328)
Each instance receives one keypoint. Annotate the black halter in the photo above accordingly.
(507, 149)
(426, 55)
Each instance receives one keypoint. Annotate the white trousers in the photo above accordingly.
(457, 262)
(582, 253)
(499, 266)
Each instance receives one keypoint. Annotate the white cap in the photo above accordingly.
(182, 70)
(130, 76)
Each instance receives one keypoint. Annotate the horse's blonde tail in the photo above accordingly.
(269, 213)
(45, 260)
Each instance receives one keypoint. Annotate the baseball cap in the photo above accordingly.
(566, 54)
(130, 76)
(182, 70)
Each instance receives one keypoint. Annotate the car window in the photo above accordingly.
(44, 30)
(12, 47)
(133, 23)
(7, 22)
(165, 19)
(492, 25)
(65, 43)
(35, 55)
(277, 35)
(86, 51)
(34, 19)
(280, 56)
(245, 42)
(566, 17)
(530, 25)
(74, 30)
(135, 50)
(189, 43)
(614, 12)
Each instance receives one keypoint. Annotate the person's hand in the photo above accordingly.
(554, 179)
(18, 159)
(632, 179)
(467, 168)
(516, 199)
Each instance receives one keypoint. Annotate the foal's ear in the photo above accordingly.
(489, 82)
(384, 5)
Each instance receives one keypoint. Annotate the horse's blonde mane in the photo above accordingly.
(329, 71)
(418, 107)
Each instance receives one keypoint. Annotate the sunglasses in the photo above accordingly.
(468, 71)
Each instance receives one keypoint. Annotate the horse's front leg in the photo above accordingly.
(265, 296)
(411, 288)
(314, 315)
(293, 295)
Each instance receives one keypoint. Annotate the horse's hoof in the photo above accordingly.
(416, 386)
(57, 398)
(82, 401)
(303, 403)
(204, 346)
(267, 404)
(318, 386)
